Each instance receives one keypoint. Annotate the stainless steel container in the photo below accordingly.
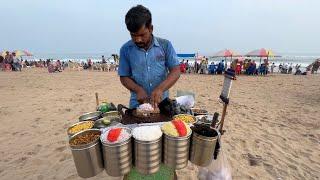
(176, 151)
(148, 155)
(117, 157)
(202, 149)
(87, 158)
(83, 122)
(90, 116)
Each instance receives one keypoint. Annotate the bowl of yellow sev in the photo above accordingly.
(187, 118)
(80, 126)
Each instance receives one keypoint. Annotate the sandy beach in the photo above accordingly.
(272, 125)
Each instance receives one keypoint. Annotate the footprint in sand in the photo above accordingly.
(65, 157)
(254, 160)
(40, 177)
(62, 142)
(37, 119)
(14, 133)
(269, 168)
(21, 160)
(61, 148)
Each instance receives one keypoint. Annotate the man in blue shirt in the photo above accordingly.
(148, 65)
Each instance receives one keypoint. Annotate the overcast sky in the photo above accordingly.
(95, 26)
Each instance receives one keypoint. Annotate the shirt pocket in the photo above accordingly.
(159, 70)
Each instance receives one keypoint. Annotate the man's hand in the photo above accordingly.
(156, 97)
(142, 96)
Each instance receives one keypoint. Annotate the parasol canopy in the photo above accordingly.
(3, 53)
(226, 53)
(262, 53)
(23, 53)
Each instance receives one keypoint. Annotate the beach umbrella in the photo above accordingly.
(23, 53)
(262, 53)
(3, 53)
(226, 53)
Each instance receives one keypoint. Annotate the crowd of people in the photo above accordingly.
(247, 67)
(202, 67)
(10, 62)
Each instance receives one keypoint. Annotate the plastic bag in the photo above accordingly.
(218, 169)
(187, 100)
(188, 173)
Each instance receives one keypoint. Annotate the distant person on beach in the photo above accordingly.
(89, 63)
(254, 68)
(103, 59)
(266, 66)
(8, 60)
(58, 65)
(280, 67)
(196, 66)
(220, 68)
(239, 67)
(15, 62)
(187, 67)
(182, 67)
(148, 64)
(272, 67)
(1, 62)
(103, 63)
(290, 68)
(315, 66)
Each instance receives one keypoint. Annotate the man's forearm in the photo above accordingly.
(130, 84)
(172, 78)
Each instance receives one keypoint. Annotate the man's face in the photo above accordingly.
(142, 37)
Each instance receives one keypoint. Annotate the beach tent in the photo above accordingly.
(186, 55)
(262, 53)
(226, 53)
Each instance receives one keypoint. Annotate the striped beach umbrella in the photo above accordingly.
(3, 53)
(226, 53)
(262, 53)
(23, 53)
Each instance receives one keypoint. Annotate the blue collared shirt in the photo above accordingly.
(147, 68)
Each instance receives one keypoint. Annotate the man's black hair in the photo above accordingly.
(137, 17)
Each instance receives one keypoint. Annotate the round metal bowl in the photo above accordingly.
(206, 119)
(111, 113)
(99, 123)
(199, 111)
(90, 116)
(71, 134)
(194, 119)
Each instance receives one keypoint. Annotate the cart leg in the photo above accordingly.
(97, 99)
(224, 111)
